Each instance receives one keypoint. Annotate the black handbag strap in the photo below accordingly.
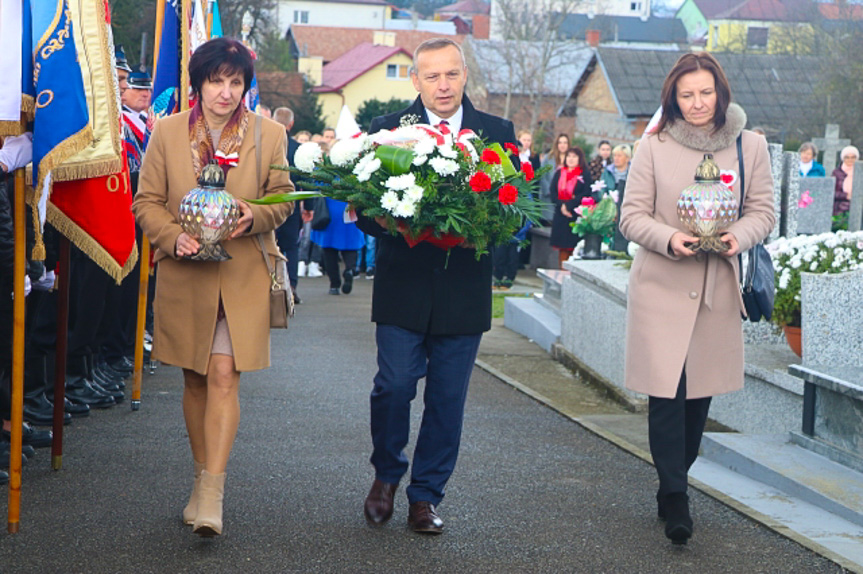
(746, 283)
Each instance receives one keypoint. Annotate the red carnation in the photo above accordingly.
(507, 194)
(510, 148)
(528, 171)
(490, 156)
(588, 201)
(480, 181)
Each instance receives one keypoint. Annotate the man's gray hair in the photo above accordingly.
(436, 44)
(284, 116)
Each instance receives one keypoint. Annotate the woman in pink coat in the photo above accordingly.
(684, 339)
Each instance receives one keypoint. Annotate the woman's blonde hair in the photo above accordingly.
(624, 149)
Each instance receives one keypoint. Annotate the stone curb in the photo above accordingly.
(623, 444)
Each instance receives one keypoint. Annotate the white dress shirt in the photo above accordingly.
(453, 122)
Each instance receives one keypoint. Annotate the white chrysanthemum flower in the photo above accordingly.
(307, 156)
(414, 193)
(447, 151)
(420, 160)
(346, 151)
(425, 146)
(366, 167)
(390, 201)
(405, 208)
(443, 166)
(400, 182)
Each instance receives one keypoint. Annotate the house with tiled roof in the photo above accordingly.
(330, 42)
(365, 72)
(624, 29)
(766, 26)
(340, 13)
(616, 97)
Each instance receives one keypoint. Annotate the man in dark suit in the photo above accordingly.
(431, 310)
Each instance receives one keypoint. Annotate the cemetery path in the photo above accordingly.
(533, 491)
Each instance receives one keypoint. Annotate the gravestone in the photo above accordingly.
(815, 205)
(790, 193)
(831, 145)
(855, 212)
(777, 167)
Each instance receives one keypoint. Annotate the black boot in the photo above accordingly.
(79, 390)
(348, 284)
(39, 410)
(32, 437)
(678, 526)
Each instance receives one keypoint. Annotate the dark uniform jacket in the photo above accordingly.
(415, 288)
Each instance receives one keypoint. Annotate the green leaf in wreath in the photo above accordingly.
(284, 197)
(396, 160)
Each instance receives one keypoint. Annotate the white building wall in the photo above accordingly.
(634, 8)
(336, 14)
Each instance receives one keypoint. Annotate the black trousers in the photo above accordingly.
(505, 259)
(331, 262)
(675, 429)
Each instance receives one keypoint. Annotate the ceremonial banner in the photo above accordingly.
(90, 201)
(216, 32)
(197, 27)
(11, 42)
(166, 83)
(61, 126)
(95, 45)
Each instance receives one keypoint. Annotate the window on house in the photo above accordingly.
(635, 6)
(301, 16)
(757, 37)
(397, 72)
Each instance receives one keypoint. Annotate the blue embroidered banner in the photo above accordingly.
(61, 124)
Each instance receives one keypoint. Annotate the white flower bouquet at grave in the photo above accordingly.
(442, 188)
(824, 253)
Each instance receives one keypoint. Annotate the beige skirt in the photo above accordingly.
(222, 339)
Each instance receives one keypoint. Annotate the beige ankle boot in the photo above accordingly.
(191, 509)
(208, 520)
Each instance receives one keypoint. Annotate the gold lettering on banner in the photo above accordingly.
(42, 103)
(58, 43)
(114, 182)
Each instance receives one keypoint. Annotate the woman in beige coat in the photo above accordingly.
(212, 318)
(684, 339)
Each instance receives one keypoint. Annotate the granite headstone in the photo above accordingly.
(815, 205)
(855, 212)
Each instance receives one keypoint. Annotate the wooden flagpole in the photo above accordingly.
(209, 19)
(144, 255)
(184, 57)
(17, 355)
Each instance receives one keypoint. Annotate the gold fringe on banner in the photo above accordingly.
(86, 170)
(33, 198)
(61, 152)
(10, 128)
(91, 248)
(28, 106)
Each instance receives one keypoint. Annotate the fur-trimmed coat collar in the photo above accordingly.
(706, 140)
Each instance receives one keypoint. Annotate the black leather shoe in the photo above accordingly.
(79, 390)
(379, 503)
(39, 411)
(422, 518)
(334, 291)
(678, 525)
(123, 366)
(113, 392)
(106, 382)
(32, 437)
(4, 477)
(76, 409)
(106, 369)
(348, 284)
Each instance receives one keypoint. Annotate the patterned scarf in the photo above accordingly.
(228, 151)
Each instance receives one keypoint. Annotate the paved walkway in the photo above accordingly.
(533, 491)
